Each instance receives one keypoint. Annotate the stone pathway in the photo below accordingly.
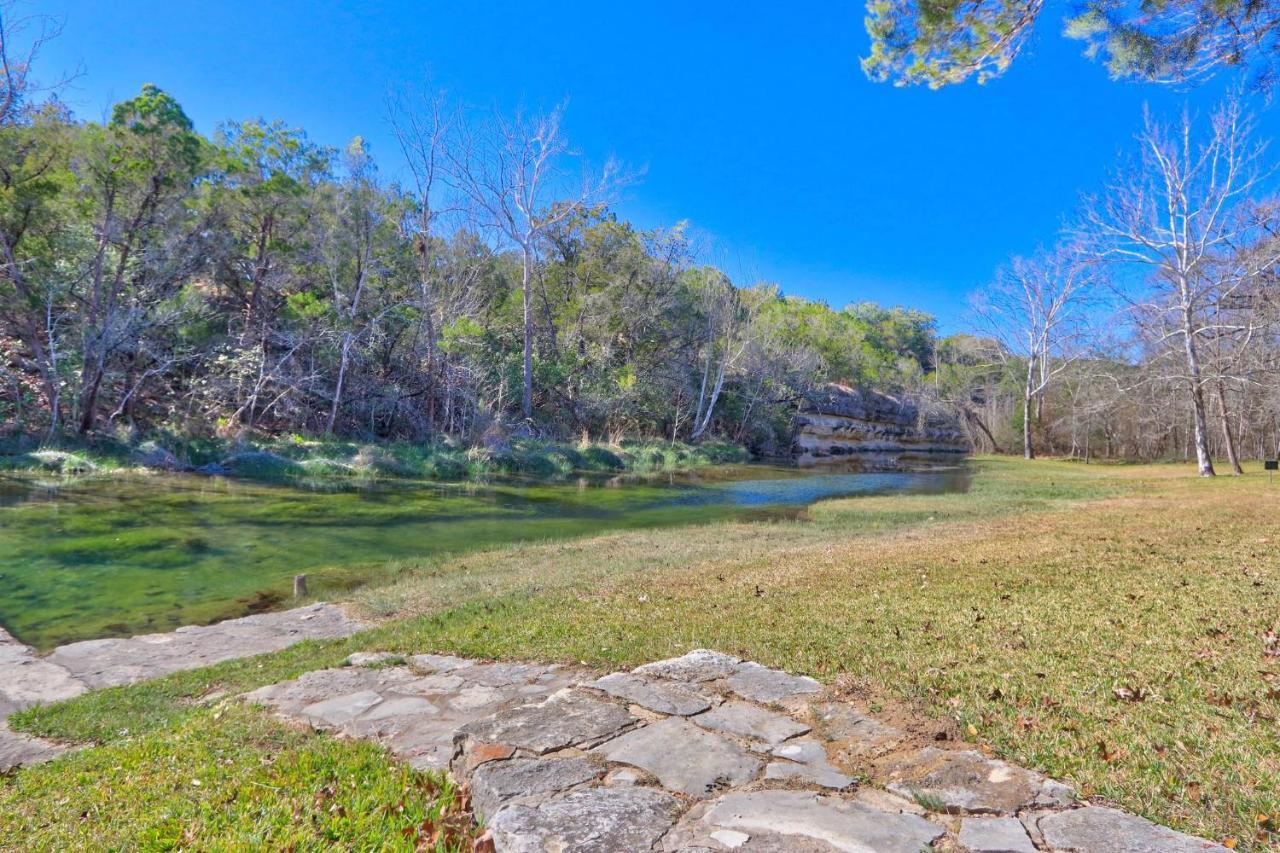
(698, 753)
(28, 679)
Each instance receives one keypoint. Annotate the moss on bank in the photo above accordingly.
(298, 458)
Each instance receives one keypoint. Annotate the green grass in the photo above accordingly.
(1016, 610)
(229, 778)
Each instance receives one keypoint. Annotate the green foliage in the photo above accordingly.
(257, 284)
(942, 42)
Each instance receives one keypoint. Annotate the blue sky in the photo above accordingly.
(752, 119)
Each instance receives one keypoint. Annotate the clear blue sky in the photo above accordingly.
(752, 118)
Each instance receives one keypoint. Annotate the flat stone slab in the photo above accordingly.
(656, 696)
(495, 783)
(595, 819)
(806, 821)
(566, 719)
(1096, 828)
(752, 722)
(684, 758)
(963, 782)
(757, 683)
(21, 750)
(112, 662)
(26, 679)
(807, 774)
(995, 835)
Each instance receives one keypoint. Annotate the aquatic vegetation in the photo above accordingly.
(136, 553)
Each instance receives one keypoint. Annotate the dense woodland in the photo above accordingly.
(257, 283)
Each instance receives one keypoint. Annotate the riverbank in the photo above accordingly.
(1031, 615)
(303, 459)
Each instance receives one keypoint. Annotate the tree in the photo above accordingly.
(1173, 218)
(137, 171)
(515, 173)
(1033, 309)
(943, 42)
(423, 125)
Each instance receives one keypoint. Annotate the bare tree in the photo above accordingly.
(516, 174)
(729, 313)
(1034, 309)
(422, 122)
(1172, 218)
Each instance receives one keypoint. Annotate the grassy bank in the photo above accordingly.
(1105, 624)
(298, 458)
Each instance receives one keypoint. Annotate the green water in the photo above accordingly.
(119, 556)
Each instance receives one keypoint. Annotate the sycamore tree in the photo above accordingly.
(1172, 223)
(1034, 309)
(942, 42)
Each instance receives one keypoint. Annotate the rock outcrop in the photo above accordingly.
(872, 430)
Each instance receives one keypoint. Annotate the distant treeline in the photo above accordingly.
(255, 282)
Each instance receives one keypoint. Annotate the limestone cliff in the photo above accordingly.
(841, 424)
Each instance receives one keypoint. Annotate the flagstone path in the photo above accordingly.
(27, 678)
(699, 753)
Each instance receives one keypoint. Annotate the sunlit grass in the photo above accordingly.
(1018, 610)
(230, 778)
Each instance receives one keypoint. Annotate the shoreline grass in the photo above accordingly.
(1022, 612)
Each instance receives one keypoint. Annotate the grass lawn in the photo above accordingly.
(1106, 624)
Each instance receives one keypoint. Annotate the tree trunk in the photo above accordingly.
(1227, 437)
(1204, 460)
(1028, 451)
(526, 395)
(342, 376)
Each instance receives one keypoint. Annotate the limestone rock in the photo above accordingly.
(807, 774)
(594, 820)
(683, 757)
(854, 734)
(696, 666)
(20, 750)
(568, 718)
(751, 721)
(503, 674)
(730, 838)
(995, 835)
(837, 423)
(658, 696)
(963, 781)
(1096, 828)
(806, 821)
(341, 709)
(495, 783)
(758, 683)
(112, 662)
(290, 697)
(805, 750)
(438, 663)
(371, 658)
